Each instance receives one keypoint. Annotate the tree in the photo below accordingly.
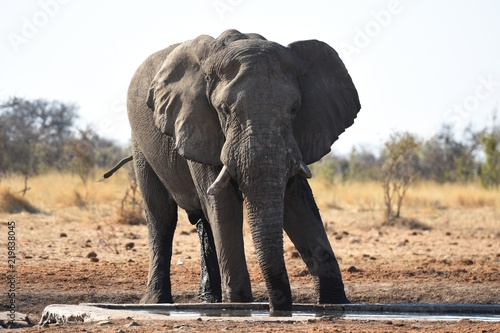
(400, 169)
(39, 135)
(87, 150)
(81, 155)
(444, 159)
(34, 133)
(331, 167)
(363, 165)
(467, 165)
(490, 170)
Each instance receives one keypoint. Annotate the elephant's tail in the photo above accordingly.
(116, 167)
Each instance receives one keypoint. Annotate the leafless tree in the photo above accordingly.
(400, 170)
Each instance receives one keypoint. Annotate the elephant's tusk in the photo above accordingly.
(220, 182)
(304, 170)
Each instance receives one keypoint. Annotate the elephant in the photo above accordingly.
(219, 124)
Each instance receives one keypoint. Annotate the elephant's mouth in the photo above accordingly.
(223, 178)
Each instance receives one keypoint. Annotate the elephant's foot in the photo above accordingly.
(239, 297)
(334, 298)
(280, 302)
(331, 291)
(240, 293)
(156, 297)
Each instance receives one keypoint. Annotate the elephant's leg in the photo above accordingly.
(226, 221)
(210, 284)
(224, 212)
(161, 216)
(302, 223)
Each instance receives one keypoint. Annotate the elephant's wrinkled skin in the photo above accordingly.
(239, 117)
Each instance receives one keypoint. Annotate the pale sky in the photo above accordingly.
(416, 63)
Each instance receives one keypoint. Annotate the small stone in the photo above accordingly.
(353, 269)
(120, 331)
(134, 323)
(92, 255)
(180, 262)
(184, 233)
(294, 255)
(199, 319)
(94, 259)
(104, 323)
(129, 245)
(63, 234)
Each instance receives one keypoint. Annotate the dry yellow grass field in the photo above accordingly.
(431, 195)
(54, 190)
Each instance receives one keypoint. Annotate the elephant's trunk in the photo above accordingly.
(265, 216)
(263, 181)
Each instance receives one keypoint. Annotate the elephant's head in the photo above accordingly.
(262, 111)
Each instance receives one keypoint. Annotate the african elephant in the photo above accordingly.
(232, 121)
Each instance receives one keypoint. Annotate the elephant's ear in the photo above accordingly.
(330, 101)
(181, 109)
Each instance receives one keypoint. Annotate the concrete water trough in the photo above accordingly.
(88, 312)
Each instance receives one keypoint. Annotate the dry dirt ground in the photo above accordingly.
(449, 255)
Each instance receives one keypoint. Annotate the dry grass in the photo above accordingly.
(429, 194)
(364, 196)
(54, 190)
(368, 196)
